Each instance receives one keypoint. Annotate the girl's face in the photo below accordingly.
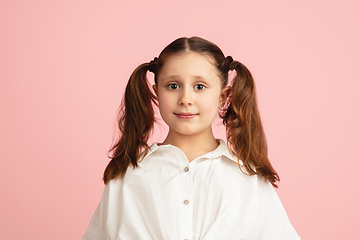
(189, 93)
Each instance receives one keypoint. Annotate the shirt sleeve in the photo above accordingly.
(273, 220)
(98, 227)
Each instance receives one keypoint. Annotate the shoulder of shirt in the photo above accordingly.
(221, 150)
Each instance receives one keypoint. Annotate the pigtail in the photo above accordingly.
(136, 121)
(243, 125)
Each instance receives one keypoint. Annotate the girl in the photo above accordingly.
(191, 186)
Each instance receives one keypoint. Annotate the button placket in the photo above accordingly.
(185, 198)
(186, 201)
(187, 208)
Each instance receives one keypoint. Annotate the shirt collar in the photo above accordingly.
(221, 150)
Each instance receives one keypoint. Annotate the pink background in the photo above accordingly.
(64, 65)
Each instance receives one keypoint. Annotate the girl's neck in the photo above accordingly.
(192, 145)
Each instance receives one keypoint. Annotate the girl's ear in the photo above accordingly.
(155, 89)
(224, 95)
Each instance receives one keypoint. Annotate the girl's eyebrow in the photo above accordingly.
(177, 77)
(170, 77)
(200, 78)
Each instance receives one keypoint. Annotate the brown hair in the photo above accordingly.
(240, 114)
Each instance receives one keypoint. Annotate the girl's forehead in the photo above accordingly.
(189, 56)
(189, 63)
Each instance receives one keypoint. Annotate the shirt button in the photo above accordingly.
(186, 169)
(186, 202)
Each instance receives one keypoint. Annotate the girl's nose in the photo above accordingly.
(186, 98)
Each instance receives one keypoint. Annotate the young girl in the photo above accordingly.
(191, 186)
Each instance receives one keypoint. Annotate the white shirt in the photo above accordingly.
(208, 198)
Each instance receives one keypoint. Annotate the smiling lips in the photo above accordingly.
(185, 115)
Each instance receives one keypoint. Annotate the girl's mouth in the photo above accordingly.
(185, 115)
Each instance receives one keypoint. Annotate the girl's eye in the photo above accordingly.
(173, 86)
(199, 87)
